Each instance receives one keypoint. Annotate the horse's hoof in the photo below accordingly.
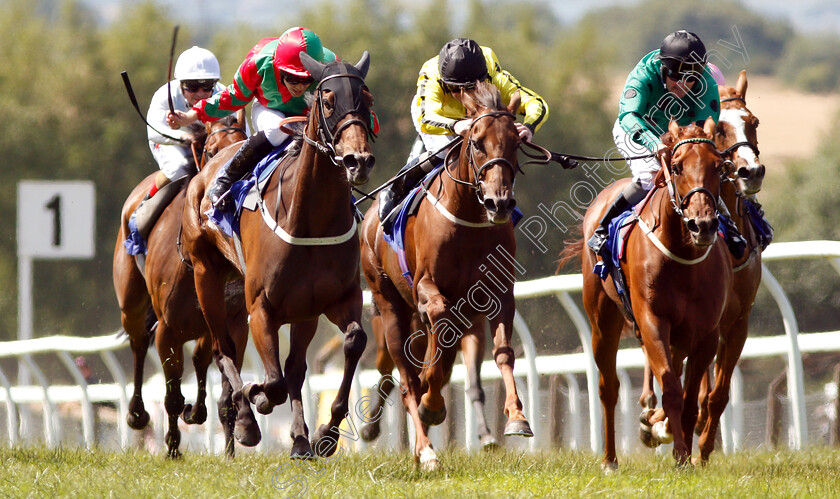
(174, 454)
(609, 468)
(194, 414)
(645, 416)
(646, 436)
(138, 420)
(247, 433)
(256, 395)
(370, 432)
(489, 443)
(325, 441)
(301, 448)
(428, 460)
(661, 432)
(518, 428)
(430, 417)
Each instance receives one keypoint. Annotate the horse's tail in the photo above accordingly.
(571, 250)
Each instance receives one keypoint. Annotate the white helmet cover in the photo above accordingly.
(197, 63)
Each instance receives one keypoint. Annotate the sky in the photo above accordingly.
(805, 15)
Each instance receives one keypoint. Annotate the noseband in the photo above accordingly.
(327, 137)
(477, 171)
(680, 203)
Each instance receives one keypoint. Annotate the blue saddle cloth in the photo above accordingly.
(613, 245)
(228, 220)
(134, 243)
(394, 233)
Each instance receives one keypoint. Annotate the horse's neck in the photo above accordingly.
(320, 196)
(460, 199)
(672, 232)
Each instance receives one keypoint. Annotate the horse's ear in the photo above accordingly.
(674, 129)
(709, 127)
(315, 68)
(468, 101)
(364, 63)
(741, 84)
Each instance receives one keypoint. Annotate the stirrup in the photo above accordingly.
(597, 241)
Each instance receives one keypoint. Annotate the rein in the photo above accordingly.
(477, 171)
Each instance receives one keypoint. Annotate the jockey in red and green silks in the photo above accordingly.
(274, 78)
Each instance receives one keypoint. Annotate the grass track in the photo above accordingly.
(38, 472)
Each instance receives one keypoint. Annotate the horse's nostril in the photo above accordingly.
(490, 204)
(511, 203)
(350, 162)
(744, 172)
(371, 160)
(692, 226)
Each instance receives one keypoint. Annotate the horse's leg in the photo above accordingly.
(729, 351)
(264, 330)
(171, 354)
(648, 403)
(656, 338)
(703, 401)
(136, 323)
(385, 365)
(347, 316)
(300, 337)
(606, 333)
(472, 350)
(440, 355)
(209, 286)
(696, 367)
(501, 327)
(201, 358)
(227, 416)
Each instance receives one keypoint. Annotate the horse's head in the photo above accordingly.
(694, 174)
(342, 106)
(735, 136)
(490, 151)
(222, 133)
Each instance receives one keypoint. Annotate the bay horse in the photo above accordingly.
(678, 276)
(165, 294)
(736, 140)
(461, 231)
(299, 255)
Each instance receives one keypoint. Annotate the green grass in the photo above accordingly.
(38, 472)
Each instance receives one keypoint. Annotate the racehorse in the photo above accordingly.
(299, 254)
(678, 279)
(164, 293)
(736, 140)
(461, 231)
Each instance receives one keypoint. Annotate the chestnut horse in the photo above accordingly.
(462, 229)
(736, 139)
(166, 293)
(299, 255)
(678, 276)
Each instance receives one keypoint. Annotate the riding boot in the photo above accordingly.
(630, 195)
(243, 162)
(734, 240)
(417, 169)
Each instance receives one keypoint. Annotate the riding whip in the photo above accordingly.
(169, 74)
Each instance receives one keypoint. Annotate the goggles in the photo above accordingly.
(195, 86)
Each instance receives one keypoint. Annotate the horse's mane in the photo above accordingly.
(488, 96)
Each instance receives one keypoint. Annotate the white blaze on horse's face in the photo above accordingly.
(749, 169)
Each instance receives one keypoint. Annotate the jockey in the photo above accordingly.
(196, 77)
(273, 75)
(438, 114)
(671, 83)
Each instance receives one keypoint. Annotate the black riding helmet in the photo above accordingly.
(462, 62)
(682, 52)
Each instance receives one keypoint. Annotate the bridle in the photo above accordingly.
(678, 202)
(326, 137)
(477, 183)
(743, 143)
(207, 153)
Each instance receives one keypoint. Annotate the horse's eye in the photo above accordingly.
(477, 145)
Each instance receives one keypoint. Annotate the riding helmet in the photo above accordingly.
(461, 62)
(682, 52)
(197, 63)
(291, 44)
